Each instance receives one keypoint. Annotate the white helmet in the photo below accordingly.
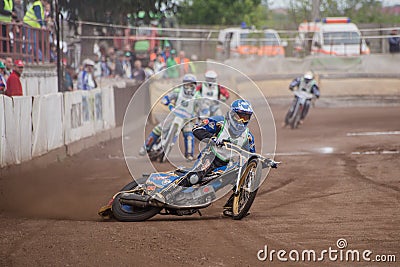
(88, 62)
(211, 77)
(308, 76)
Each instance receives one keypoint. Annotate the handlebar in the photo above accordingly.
(266, 162)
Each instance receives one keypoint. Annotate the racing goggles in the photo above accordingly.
(241, 117)
(191, 86)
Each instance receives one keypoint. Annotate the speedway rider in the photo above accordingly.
(211, 90)
(219, 129)
(308, 84)
(183, 97)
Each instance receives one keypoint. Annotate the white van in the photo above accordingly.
(250, 42)
(338, 37)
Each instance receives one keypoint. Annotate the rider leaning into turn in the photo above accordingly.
(306, 83)
(184, 97)
(218, 129)
(210, 89)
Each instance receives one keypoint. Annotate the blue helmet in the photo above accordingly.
(239, 116)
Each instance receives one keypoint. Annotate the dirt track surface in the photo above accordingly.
(329, 186)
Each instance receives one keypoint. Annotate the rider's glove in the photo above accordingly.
(291, 88)
(218, 143)
(171, 107)
(165, 100)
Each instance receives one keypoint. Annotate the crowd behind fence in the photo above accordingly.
(37, 45)
(23, 42)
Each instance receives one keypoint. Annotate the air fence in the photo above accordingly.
(31, 126)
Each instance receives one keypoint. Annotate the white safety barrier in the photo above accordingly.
(31, 126)
(108, 108)
(47, 123)
(16, 124)
(2, 132)
(87, 113)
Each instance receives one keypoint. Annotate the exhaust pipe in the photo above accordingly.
(134, 200)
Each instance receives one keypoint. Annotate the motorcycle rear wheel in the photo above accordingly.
(244, 199)
(127, 213)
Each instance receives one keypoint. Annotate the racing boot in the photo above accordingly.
(189, 145)
(150, 141)
(228, 207)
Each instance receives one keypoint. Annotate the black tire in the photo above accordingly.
(167, 148)
(290, 115)
(137, 215)
(287, 117)
(297, 118)
(243, 200)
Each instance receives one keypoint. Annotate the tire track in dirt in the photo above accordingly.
(354, 172)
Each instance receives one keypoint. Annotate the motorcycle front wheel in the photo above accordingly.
(128, 213)
(297, 118)
(168, 144)
(244, 199)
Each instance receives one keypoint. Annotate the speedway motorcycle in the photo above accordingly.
(159, 193)
(163, 147)
(295, 112)
(204, 108)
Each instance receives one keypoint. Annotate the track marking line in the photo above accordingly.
(373, 133)
(384, 152)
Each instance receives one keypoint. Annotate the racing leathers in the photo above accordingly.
(216, 130)
(211, 94)
(176, 99)
(309, 86)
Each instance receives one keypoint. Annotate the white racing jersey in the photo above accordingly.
(223, 153)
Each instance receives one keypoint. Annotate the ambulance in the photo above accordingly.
(337, 36)
(241, 41)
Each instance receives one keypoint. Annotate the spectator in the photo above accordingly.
(86, 79)
(35, 18)
(127, 48)
(119, 69)
(6, 13)
(14, 87)
(159, 64)
(19, 10)
(97, 67)
(69, 78)
(184, 68)
(105, 70)
(172, 70)
(47, 10)
(9, 66)
(3, 83)
(126, 65)
(394, 42)
(111, 60)
(149, 70)
(167, 52)
(138, 73)
(53, 52)
(49, 22)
